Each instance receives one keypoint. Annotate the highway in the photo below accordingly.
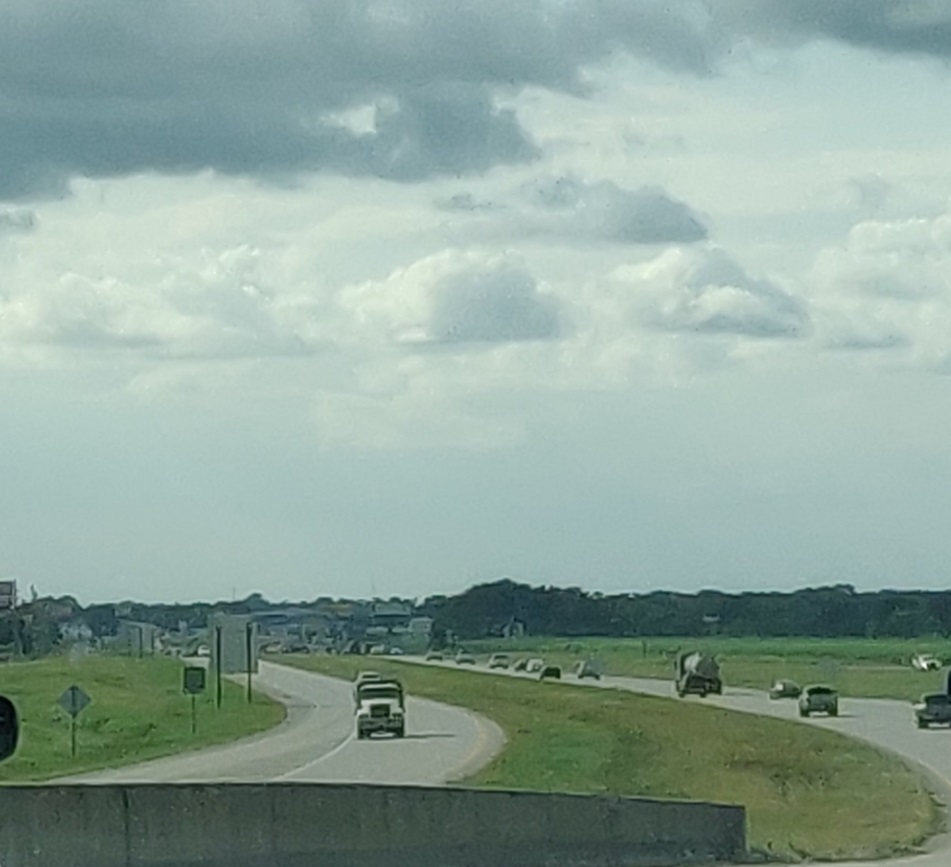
(316, 744)
(443, 743)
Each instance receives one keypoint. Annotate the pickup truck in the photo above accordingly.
(380, 707)
(819, 699)
(933, 709)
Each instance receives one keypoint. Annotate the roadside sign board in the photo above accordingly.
(73, 700)
(193, 679)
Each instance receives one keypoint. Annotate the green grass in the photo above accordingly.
(138, 712)
(856, 667)
(808, 791)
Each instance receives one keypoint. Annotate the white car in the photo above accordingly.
(535, 665)
(925, 662)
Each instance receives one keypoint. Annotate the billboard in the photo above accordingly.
(8, 594)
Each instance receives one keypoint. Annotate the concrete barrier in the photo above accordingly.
(306, 825)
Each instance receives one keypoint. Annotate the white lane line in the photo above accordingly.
(314, 762)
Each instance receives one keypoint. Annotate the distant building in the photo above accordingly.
(76, 630)
(137, 639)
(420, 626)
(391, 614)
(8, 594)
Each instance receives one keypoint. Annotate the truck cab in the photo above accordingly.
(380, 707)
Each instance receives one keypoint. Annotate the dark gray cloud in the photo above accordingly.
(110, 87)
(604, 210)
(497, 305)
(906, 26)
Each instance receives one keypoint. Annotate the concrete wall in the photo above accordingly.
(300, 825)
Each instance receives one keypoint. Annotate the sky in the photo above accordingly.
(391, 297)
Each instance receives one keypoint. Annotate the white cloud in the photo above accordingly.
(457, 298)
(702, 291)
(205, 304)
(888, 287)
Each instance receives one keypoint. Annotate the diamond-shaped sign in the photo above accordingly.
(73, 700)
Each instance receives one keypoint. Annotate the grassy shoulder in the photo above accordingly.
(137, 713)
(868, 668)
(808, 792)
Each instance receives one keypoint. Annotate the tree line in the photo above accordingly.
(822, 612)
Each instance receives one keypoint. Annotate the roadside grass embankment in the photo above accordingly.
(866, 668)
(808, 792)
(137, 713)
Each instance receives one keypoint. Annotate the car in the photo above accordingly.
(587, 668)
(819, 699)
(434, 656)
(378, 650)
(499, 660)
(533, 666)
(396, 651)
(519, 664)
(933, 709)
(925, 662)
(464, 658)
(785, 689)
(550, 672)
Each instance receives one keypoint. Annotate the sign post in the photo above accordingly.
(73, 700)
(217, 666)
(193, 684)
(249, 642)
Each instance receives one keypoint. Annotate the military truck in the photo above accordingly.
(380, 707)
(697, 674)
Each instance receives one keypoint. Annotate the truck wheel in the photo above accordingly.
(401, 732)
(834, 712)
(922, 724)
(803, 712)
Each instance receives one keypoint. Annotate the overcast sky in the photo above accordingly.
(380, 297)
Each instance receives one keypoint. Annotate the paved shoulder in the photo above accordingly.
(315, 743)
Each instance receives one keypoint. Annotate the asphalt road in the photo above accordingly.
(316, 744)
(886, 724)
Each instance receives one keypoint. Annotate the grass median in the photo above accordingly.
(808, 792)
(138, 712)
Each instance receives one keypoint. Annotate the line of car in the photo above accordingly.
(529, 665)
(932, 709)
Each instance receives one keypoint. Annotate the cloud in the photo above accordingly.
(921, 27)
(703, 291)
(604, 211)
(888, 287)
(16, 220)
(568, 209)
(260, 88)
(464, 202)
(455, 298)
(216, 305)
